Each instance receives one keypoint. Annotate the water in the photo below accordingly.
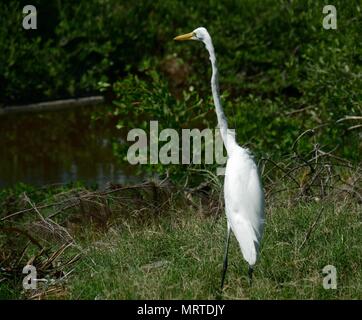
(59, 147)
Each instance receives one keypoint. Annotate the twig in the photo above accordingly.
(355, 127)
(311, 228)
(32, 209)
(349, 118)
(280, 168)
(299, 110)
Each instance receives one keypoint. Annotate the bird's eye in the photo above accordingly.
(197, 36)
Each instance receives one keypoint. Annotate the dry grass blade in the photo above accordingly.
(310, 229)
(46, 264)
(70, 262)
(350, 118)
(57, 291)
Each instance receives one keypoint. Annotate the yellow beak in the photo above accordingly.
(183, 37)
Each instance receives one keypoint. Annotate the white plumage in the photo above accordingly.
(244, 202)
(243, 192)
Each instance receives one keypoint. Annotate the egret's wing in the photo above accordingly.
(246, 237)
(244, 202)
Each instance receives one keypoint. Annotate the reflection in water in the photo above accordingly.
(58, 147)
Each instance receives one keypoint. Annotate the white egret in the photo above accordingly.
(243, 192)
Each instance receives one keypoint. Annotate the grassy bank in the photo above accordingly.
(160, 241)
(180, 257)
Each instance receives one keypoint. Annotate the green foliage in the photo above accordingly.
(282, 72)
(141, 100)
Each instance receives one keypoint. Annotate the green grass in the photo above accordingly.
(141, 252)
(179, 256)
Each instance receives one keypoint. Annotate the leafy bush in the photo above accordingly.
(139, 100)
(281, 72)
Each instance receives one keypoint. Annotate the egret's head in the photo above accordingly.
(199, 34)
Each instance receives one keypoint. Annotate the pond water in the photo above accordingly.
(59, 147)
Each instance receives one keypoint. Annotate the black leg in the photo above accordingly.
(250, 274)
(225, 265)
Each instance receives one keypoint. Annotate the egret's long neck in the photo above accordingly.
(223, 126)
